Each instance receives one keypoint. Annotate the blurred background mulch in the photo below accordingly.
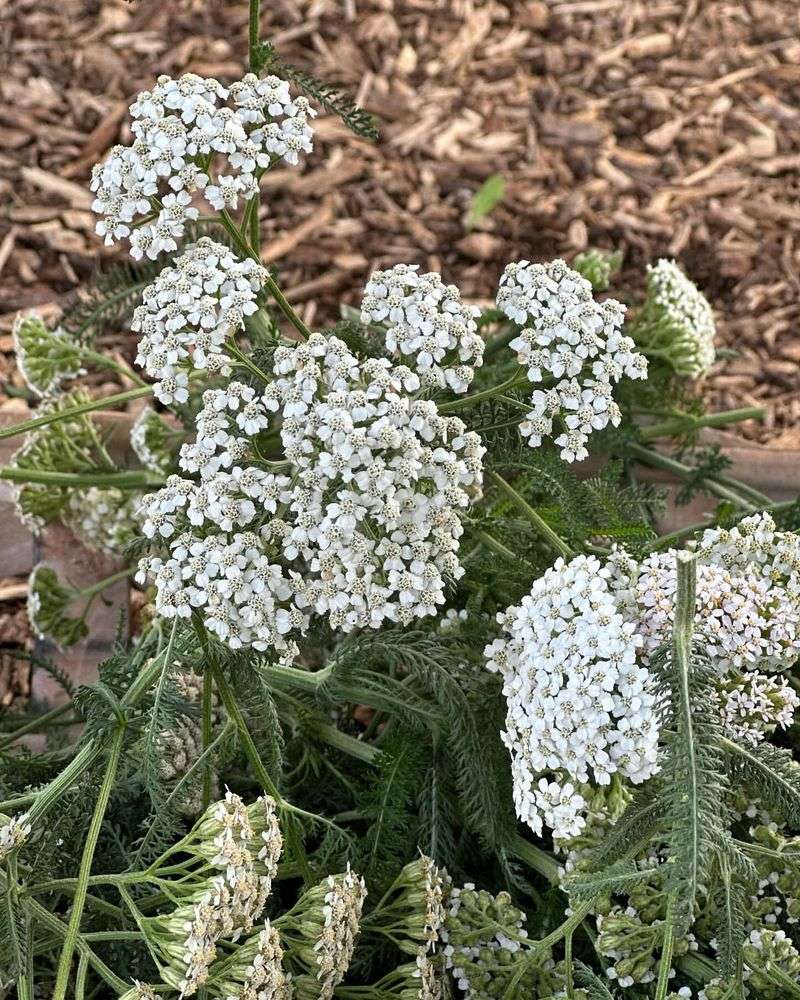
(657, 127)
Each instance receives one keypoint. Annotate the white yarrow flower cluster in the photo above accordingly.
(181, 127)
(748, 594)
(360, 523)
(255, 970)
(574, 351)
(426, 324)
(580, 707)
(189, 311)
(756, 704)
(380, 479)
(320, 933)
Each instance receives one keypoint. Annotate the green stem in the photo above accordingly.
(208, 695)
(80, 977)
(49, 920)
(456, 404)
(666, 950)
(245, 739)
(569, 925)
(103, 361)
(132, 480)
(748, 492)
(109, 581)
(76, 411)
(542, 862)
(254, 31)
(686, 472)
(680, 425)
(492, 543)
(347, 744)
(92, 836)
(544, 529)
(86, 756)
(269, 281)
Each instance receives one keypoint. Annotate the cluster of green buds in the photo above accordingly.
(73, 445)
(412, 911)
(239, 847)
(254, 971)
(604, 805)
(675, 323)
(779, 873)
(774, 964)
(45, 357)
(633, 936)
(485, 940)
(14, 831)
(598, 267)
(319, 934)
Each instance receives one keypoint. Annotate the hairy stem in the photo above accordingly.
(76, 411)
(685, 472)
(92, 836)
(457, 404)
(666, 951)
(680, 425)
(542, 862)
(208, 695)
(544, 529)
(133, 480)
(283, 303)
(254, 31)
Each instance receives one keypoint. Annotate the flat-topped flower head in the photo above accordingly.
(427, 325)
(182, 129)
(574, 351)
(748, 594)
(360, 523)
(580, 706)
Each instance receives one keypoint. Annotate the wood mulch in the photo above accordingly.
(659, 127)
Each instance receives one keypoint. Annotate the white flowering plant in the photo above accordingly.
(417, 702)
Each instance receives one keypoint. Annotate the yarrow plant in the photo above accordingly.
(404, 705)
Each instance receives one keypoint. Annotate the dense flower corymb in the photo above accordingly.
(748, 594)
(579, 704)
(360, 523)
(427, 324)
(181, 127)
(574, 351)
